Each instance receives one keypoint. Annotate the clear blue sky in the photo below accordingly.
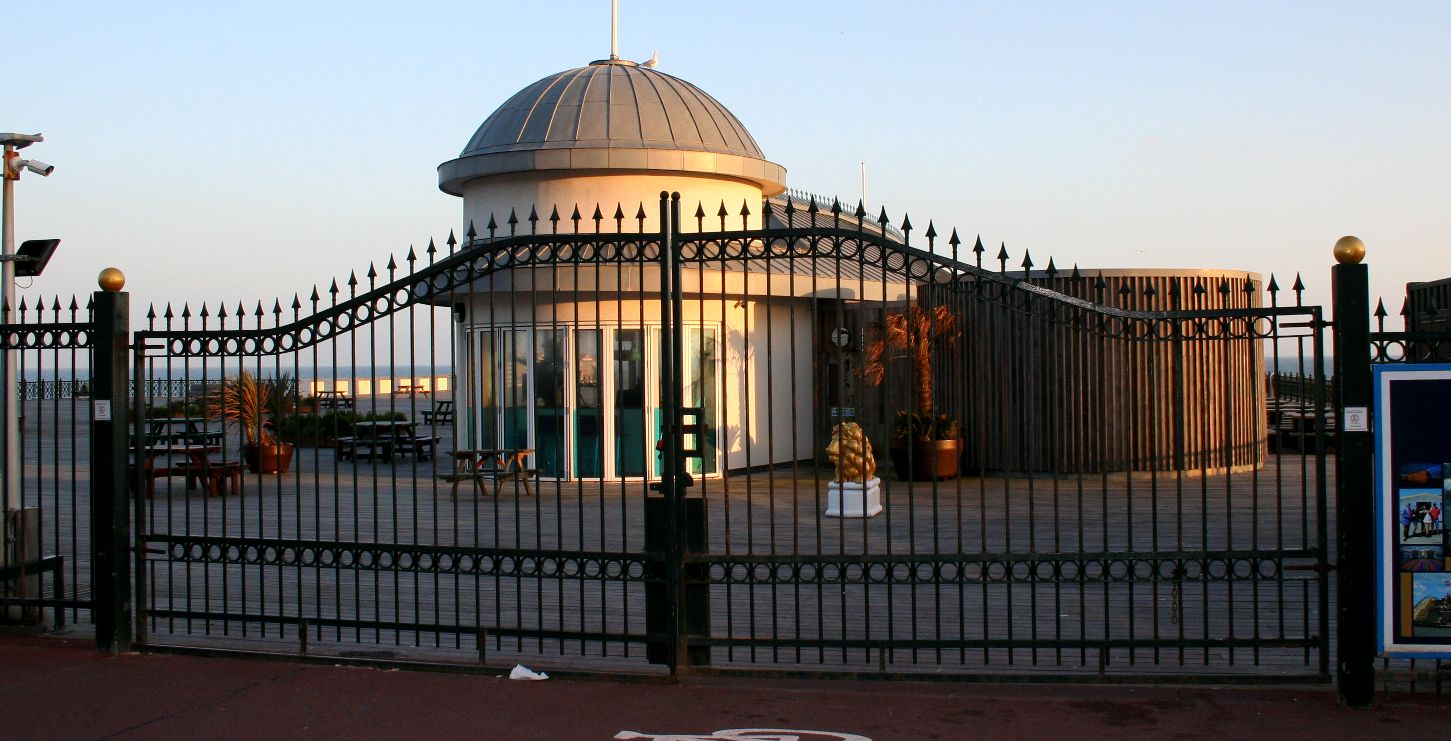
(250, 150)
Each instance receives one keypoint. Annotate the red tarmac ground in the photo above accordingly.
(53, 688)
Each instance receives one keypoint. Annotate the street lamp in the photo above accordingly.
(9, 403)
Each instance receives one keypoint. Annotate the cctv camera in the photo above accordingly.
(38, 167)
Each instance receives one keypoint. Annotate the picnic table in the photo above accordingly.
(382, 438)
(411, 389)
(442, 413)
(333, 400)
(191, 430)
(496, 465)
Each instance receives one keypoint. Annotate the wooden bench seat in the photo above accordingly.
(357, 448)
(441, 413)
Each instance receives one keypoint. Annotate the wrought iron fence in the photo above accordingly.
(45, 545)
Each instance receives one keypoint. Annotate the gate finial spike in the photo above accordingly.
(1075, 275)
(861, 211)
(1027, 263)
(513, 220)
(790, 209)
(1273, 286)
(411, 258)
(151, 312)
(296, 302)
(906, 223)
(334, 289)
(882, 217)
(277, 307)
(1003, 258)
(1151, 291)
(205, 313)
(222, 313)
(259, 313)
(640, 215)
(450, 242)
(392, 265)
(978, 248)
(1199, 289)
(575, 217)
(372, 273)
(835, 208)
(1299, 284)
(1099, 284)
(931, 232)
(167, 315)
(597, 217)
(953, 240)
(314, 298)
(1052, 270)
(1174, 288)
(619, 214)
(74, 305)
(472, 234)
(1405, 307)
(1380, 309)
(492, 226)
(186, 311)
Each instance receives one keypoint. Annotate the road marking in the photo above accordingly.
(745, 734)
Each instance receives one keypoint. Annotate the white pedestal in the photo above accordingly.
(853, 499)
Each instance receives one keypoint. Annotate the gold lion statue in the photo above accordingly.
(851, 451)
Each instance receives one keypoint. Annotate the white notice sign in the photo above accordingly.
(103, 410)
(1357, 419)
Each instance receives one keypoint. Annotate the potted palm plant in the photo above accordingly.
(924, 444)
(253, 404)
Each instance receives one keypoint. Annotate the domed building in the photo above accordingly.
(563, 359)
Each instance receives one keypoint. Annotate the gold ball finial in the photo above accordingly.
(1349, 250)
(111, 280)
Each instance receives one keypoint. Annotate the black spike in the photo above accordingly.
(186, 311)
(533, 217)
(1249, 284)
(1224, 286)
(412, 258)
(906, 223)
(835, 208)
(167, 315)
(471, 233)
(1199, 289)
(260, 313)
(640, 216)
(74, 306)
(1273, 287)
(372, 273)
(1003, 257)
(1075, 275)
(1405, 307)
(699, 210)
(1174, 288)
(204, 313)
(334, 289)
(790, 209)
(575, 217)
(1052, 270)
(1100, 284)
(222, 313)
(492, 226)
(314, 298)
(151, 312)
(392, 266)
(931, 233)
(1380, 309)
(296, 303)
(598, 217)
(953, 240)
(882, 218)
(1299, 284)
(861, 211)
(277, 307)
(811, 207)
(352, 279)
(554, 218)
(513, 222)
(432, 249)
(619, 217)
(1151, 291)
(978, 248)
(1027, 263)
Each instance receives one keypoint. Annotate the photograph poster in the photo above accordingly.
(1413, 460)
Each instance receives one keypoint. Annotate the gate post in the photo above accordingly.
(110, 518)
(1354, 481)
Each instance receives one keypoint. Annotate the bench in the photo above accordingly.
(496, 466)
(441, 413)
(418, 446)
(356, 448)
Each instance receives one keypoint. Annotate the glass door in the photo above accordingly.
(589, 421)
(702, 389)
(632, 451)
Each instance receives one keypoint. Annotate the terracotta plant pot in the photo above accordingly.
(274, 458)
(928, 459)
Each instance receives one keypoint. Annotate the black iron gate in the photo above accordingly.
(572, 444)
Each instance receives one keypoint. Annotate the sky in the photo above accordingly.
(247, 151)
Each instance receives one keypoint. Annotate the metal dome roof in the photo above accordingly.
(612, 114)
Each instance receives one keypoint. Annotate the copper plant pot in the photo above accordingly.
(273, 458)
(928, 459)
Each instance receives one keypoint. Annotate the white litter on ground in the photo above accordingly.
(523, 672)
